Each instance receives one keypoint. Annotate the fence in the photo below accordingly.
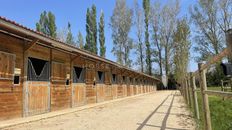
(189, 91)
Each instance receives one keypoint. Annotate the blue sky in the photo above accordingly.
(27, 12)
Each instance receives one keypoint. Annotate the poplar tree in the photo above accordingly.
(102, 35)
(182, 50)
(140, 47)
(94, 28)
(47, 24)
(91, 30)
(88, 32)
(146, 7)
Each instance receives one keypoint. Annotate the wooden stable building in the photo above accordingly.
(39, 74)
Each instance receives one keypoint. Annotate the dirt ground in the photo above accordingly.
(163, 110)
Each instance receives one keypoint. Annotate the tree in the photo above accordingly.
(94, 28)
(80, 40)
(156, 27)
(102, 35)
(121, 22)
(211, 19)
(139, 32)
(47, 24)
(88, 42)
(182, 50)
(168, 19)
(91, 30)
(69, 39)
(146, 7)
(62, 34)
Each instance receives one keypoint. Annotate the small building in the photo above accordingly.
(39, 74)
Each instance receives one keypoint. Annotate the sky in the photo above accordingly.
(27, 12)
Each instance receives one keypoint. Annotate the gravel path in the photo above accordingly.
(162, 110)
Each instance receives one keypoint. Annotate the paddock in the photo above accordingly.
(39, 74)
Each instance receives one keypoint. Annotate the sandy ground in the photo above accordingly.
(163, 110)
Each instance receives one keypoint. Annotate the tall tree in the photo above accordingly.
(47, 24)
(80, 40)
(169, 15)
(121, 22)
(139, 32)
(146, 7)
(102, 35)
(156, 27)
(94, 28)
(88, 43)
(91, 30)
(181, 49)
(69, 39)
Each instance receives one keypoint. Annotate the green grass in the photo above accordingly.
(220, 110)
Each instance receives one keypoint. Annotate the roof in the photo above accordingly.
(16, 28)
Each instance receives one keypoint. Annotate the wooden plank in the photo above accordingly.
(218, 93)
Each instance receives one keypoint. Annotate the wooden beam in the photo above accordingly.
(31, 44)
(72, 59)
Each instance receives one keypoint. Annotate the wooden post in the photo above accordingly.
(205, 102)
(186, 91)
(189, 90)
(229, 43)
(194, 95)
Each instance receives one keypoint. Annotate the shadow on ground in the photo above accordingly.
(164, 122)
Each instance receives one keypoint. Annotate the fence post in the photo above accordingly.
(186, 91)
(194, 93)
(229, 43)
(205, 102)
(189, 90)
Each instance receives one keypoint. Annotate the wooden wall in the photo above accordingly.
(61, 96)
(11, 95)
(60, 92)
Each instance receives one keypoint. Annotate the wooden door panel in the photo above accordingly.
(79, 94)
(38, 98)
(108, 92)
(100, 88)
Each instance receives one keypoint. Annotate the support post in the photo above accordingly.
(186, 91)
(229, 43)
(194, 93)
(189, 90)
(205, 102)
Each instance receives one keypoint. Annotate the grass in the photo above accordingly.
(220, 111)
